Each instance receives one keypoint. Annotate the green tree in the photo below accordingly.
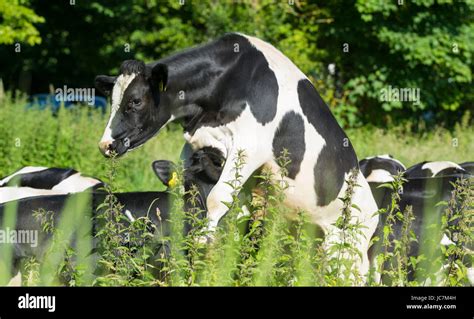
(419, 44)
(18, 23)
(423, 44)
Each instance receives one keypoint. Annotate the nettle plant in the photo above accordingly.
(125, 248)
(458, 224)
(346, 254)
(393, 263)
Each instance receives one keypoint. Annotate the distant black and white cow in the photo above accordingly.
(379, 170)
(427, 184)
(36, 181)
(202, 170)
(135, 205)
(240, 93)
(434, 169)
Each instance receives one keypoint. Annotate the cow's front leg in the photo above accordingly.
(222, 192)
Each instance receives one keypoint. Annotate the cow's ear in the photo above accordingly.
(159, 76)
(105, 84)
(164, 171)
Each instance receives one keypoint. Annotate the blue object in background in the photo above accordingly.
(43, 101)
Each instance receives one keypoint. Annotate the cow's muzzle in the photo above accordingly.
(105, 148)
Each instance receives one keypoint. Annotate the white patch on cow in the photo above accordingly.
(15, 281)
(244, 213)
(187, 136)
(24, 170)
(76, 183)
(436, 167)
(129, 215)
(389, 157)
(379, 176)
(219, 137)
(301, 189)
(14, 193)
(285, 70)
(121, 84)
(445, 241)
(470, 275)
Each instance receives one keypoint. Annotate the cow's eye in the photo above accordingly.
(136, 102)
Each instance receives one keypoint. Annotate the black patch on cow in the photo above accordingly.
(232, 80)
(290, 136)
(453, 171)
(45, 179)
(468, 166)
(250, 80)
(416, 171)
(337, 157)
(367, 166)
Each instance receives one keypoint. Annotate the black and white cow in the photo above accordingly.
(36, 181)
(240, 93)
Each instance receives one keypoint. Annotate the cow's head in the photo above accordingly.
(138, 109)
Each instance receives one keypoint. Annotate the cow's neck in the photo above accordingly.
(193, 78)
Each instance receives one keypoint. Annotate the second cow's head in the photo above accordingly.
(139, 107)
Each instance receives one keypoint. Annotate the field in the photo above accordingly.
(270, 254)
(70, 139)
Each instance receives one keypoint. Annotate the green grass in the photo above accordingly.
(35, 137)
(436, 144)
(273, 252)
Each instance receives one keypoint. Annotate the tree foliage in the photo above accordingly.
(421, 44)
(18, 23)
